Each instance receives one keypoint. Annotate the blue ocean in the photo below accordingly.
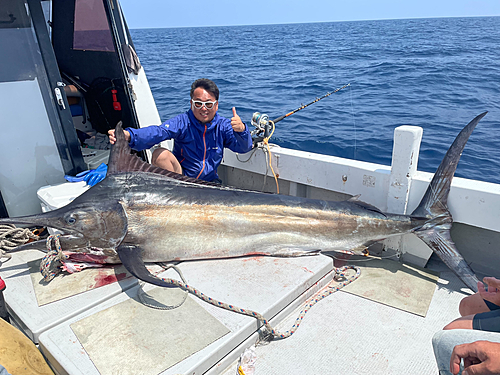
(435, 73)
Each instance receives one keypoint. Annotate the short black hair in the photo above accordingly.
(206, 84)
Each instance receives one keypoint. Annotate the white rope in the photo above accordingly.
(12, 237)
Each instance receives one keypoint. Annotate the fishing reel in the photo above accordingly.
(262, 127)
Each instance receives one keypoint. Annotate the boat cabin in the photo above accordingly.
(68, 74)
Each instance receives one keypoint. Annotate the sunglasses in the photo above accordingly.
(198, 104)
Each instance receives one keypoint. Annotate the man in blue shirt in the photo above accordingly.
(200, 136)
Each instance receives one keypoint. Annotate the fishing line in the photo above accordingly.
(267, 163)
(267, 151)
(142, 295)
(371, 257)
(251, 154)
(267, 170)
(354, 124)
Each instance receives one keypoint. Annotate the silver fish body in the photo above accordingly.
(181, 221)
(140, 213)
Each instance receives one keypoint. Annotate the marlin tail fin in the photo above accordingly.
(434, 206)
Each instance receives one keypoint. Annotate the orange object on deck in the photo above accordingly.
(18, 354)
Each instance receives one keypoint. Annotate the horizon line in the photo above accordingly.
(298, 23)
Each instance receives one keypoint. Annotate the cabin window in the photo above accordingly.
(91, 31)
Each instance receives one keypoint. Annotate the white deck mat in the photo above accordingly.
(21, 299)
(132, 342)
(347, 334)
(392, 283)
(66, 285)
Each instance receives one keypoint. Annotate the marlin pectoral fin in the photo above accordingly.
(131, 259)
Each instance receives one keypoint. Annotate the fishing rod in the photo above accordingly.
(263, 125)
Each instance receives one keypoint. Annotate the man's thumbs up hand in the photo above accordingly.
(236, 123)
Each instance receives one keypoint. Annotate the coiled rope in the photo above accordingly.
(12, 237)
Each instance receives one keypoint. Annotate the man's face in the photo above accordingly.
(203, 114)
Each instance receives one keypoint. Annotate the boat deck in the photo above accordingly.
(106, 331)
(348, 334)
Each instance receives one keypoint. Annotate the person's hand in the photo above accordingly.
(493, 293)
(112, 137)
(236, 123)
(480, 358)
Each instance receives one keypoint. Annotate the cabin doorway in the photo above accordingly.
(64, 82)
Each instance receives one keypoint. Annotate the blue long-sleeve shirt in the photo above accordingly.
(198, 147)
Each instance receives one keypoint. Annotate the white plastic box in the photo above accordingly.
(57, 196)
(53, 197)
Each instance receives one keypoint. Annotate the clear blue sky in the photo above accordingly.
(182, 13)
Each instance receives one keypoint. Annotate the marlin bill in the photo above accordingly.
(140, 213)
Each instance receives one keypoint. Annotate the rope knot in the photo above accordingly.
(51, 263)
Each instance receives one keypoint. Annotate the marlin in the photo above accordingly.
(140, 213)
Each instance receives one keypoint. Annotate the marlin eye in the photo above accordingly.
(71, 220)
